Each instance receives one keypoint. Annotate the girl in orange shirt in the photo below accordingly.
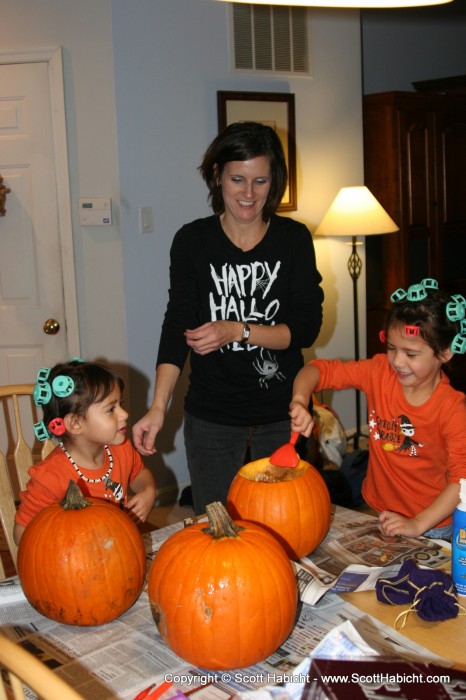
(417, 420)
(82, 407)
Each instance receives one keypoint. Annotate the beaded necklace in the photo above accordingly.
(79, 472)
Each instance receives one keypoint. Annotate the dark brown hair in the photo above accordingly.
(92, 384)
(430, 315)
(244, 141)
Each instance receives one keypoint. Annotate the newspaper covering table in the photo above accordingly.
(119, 659)
(355, 553)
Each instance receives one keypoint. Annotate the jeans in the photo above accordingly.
(216, 452)
(439, 533)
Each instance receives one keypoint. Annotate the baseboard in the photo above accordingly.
(168, 495)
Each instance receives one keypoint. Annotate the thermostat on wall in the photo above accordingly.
(95, 211)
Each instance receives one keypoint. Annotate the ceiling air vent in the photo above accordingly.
(270, 38)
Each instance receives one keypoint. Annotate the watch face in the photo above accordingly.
(246, 332)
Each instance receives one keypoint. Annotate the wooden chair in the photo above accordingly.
(19, 667)
(16, 456)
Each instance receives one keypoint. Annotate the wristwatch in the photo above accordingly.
(246, 333)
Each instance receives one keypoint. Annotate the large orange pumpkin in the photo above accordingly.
(81, 561)
(293, 504)
(222, 596)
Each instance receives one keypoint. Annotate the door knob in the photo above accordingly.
(51, 326)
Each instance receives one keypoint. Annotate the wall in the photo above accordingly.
(402, 46)
(161, 62)
(171, 57)
(83, 30)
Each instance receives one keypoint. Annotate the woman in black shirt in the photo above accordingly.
(244, 298)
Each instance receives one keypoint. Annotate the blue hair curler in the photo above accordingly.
(62, 386)
(43, 374)
(40, 431)
(458, 344)
(398, 295)
(456, 309)
(42, 393)
(429, 283)
(416, 292)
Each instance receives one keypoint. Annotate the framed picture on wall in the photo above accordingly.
(276, 109)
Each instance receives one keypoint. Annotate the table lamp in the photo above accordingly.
(355, 212)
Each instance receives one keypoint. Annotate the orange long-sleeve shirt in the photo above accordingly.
(414, 451)
(50, 478)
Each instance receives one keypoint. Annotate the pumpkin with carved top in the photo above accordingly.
(292, 503)
(81, 561)
(223, 594)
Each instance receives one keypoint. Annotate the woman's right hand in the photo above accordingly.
(146, 430)
(212, 336)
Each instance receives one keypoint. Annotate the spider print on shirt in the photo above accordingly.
(268, 368)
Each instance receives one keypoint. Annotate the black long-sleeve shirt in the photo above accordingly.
(212, 279)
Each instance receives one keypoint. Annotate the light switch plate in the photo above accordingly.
(146, 220)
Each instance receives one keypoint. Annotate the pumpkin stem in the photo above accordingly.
(74, 499)
(220, 523)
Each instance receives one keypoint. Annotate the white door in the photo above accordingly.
(32, 275)
(37, 281)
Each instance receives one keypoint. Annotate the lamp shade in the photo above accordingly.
(361, 4)
(355, 212)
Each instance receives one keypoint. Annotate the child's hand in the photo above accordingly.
(393, 524)
(140, 505)
(301, 419)
(145, 491)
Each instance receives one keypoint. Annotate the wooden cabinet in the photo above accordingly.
(415, 164)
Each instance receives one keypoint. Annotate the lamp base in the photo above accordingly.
(355, 438)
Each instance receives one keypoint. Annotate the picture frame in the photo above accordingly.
(276, 109)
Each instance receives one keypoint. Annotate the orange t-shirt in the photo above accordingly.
(50, 478)
(414, 451)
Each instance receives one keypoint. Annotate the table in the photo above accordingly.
(121, 658)
(447, 638)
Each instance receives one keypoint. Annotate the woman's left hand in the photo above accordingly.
(212, 336)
